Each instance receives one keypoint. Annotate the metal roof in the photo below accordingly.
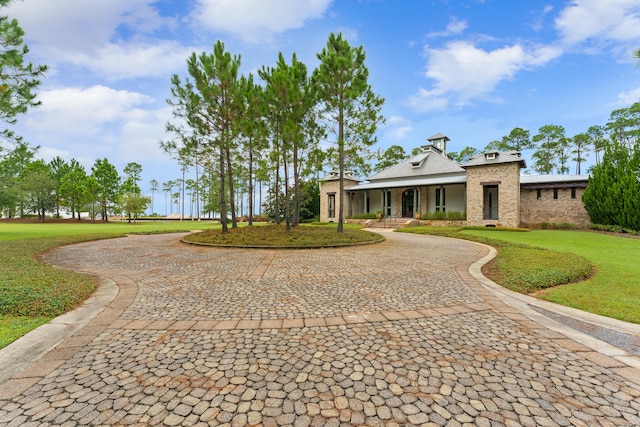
(417, 182)
(497, 157)
(427, 164)
(546, 179)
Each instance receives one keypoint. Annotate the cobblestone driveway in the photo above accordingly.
(391, 334)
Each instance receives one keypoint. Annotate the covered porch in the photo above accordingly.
(408, 199)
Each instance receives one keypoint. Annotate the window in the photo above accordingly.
(440, 200)
(573, 193)
(490, 202)
(539, 194)
(555, 194)
(332, 205)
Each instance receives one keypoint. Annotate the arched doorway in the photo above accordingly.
(407, 203)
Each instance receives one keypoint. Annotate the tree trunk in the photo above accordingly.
(250, 183)
(341, 160)
(296, 189)
(232, 202)
(223, 199)
(287, 199)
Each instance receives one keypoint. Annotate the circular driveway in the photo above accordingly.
(397, 333)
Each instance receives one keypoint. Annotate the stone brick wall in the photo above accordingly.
(507, 177)
(333, 186)
(563, 209)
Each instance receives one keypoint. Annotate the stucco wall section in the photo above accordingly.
(550, 210)
(508, 176)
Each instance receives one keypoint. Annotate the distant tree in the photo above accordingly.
(73, 190)
(108, 180)
(597, 140)
(547, 140)
(563, 152)
(133, 204)
(132, 173)
(579, 148)
(415, 151)
(12, 165)
(58, 168)
(167, 188)
(37, 188)
(624, 126)
(464, 155)
(94, 196)
(391, 156)
(518, 140)
(18, 79)
(153, 186)
(347, 102)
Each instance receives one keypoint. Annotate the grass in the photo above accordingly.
(554, 265)
(277, 236)
(20, 230)
(32, 293)
(614, 289)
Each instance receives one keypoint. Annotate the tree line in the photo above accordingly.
(29, 186)
(233, 130)
(552, 150)
(612, 197)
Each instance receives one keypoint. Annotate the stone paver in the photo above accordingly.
(391, 334)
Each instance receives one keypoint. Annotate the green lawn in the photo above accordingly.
(32, 293)
(614, 289)
(14, 230)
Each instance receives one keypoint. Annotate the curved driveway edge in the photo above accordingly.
(400, 333)
(31, 347)
(527, 305)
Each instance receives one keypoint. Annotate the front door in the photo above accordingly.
(407, 204)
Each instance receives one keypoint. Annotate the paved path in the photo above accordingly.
(398, 333)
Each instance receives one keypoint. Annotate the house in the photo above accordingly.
(488, 189)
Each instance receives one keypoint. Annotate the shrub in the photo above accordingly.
(364, 216)
(456, 215)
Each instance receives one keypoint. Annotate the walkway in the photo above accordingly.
(398, 333)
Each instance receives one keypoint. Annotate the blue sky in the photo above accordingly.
(470, 69)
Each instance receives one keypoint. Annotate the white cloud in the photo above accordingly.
(142, 133)
(398, 127)
(628, 98)
(72, 112)
(257, 22)
(463, 72)
(80, 25)
(134, 60)
(598, 21)
(454, 27)
(88, 34)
